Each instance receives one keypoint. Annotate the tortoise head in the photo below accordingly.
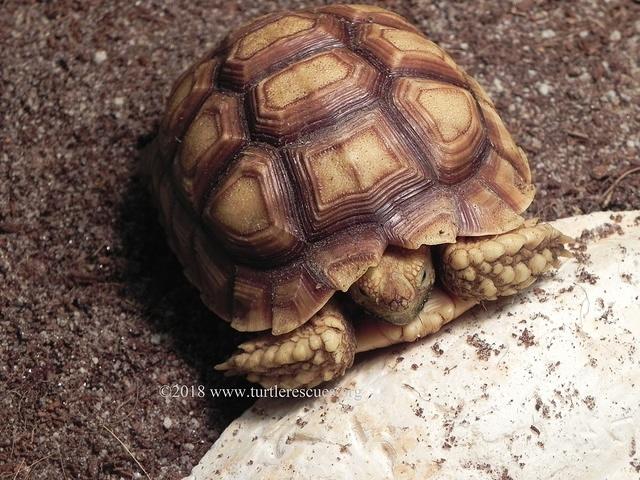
(396, 289)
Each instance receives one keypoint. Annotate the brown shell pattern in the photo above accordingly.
(294, 153)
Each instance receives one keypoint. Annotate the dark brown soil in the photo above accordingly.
(95, 315)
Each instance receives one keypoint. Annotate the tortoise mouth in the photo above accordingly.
(397, 288)
(401, 316)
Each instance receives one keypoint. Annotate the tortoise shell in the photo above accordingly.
(290, 156)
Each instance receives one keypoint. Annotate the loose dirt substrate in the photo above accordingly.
(95, 315)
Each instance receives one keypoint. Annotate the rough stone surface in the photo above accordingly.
(84, 267)
(543, 385)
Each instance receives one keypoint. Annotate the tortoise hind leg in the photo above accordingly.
(485, 268)
(318, 351)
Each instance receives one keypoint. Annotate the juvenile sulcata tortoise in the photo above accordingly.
(339, 150)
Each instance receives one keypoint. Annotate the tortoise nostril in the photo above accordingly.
(424, 277)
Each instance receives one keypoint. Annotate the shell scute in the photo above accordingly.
(254, 209)
(320, 89)
(251, 301)
(446, 120)
(297, 296)
(188, 93)
(214, 135)
(368, 14)
(344, 258)
(503, 143)
(215, 273)
(278, 41)
(402, 51)
(342, 181)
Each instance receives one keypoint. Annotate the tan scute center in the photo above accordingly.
(449, 110)
(271, 33)
(354, 166)
(408, 41)
(304, 79)
(242, 208)
(203, 133)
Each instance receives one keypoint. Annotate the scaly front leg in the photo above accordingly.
(485, 268)
(316, 352)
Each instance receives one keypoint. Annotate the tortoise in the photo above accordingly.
(331, 178)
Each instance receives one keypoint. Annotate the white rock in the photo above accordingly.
(548, 33)
(167, 423)
(99, 56)
(615, 36)
(612, 96)
(544, 385)
(544, 88)
(585, 76)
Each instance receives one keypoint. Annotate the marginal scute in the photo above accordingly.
(320, 88)
(369, 14)
(215, 133)
(345, 182)
(287, 36)
(251, 301)
(503, 142)
(267, 35)
(477, 89)
(408, 52)
(482, 212)
(184, 230)
(410, 42)
(183, 227)
(296, 298)
(183, 87)
(503, 179)
(346, 257)
(247, 27)
(188, 93)
(215, 272)
(425, 226)
(253, 208)
(165, 196)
